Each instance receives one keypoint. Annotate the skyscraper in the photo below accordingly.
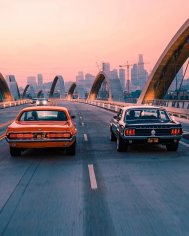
(122, 78)
(40, 81)
(79, 76)
(106, 67)
(138, 74)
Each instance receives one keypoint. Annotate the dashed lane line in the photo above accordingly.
(185, 144)
(82, 124)
(6, 123)
(85, 137)
(2, 137)
(92, 177)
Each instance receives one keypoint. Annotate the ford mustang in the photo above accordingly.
(144, 125)
(42, 127)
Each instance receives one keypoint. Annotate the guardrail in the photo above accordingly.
(171, 106)
(14, 103)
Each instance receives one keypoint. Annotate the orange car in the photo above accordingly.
(42, 127)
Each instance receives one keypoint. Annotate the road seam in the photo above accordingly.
(185, 144)
(92, 177)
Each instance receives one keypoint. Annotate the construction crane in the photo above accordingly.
(128, 70)
(128, 80)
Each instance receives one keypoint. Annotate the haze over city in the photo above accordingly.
(64, 37)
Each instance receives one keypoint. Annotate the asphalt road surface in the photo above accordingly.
(144, 191)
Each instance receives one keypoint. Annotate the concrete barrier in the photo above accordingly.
(4, 105)
(167, 104)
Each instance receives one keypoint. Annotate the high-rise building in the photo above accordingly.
(138, 74)
(31, 80)
(113, 74)
(40, 81)
(79, 76)
(106, 67)
(134, 77)
(89, 77)
(122, 78)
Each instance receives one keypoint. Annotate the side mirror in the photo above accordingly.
(73, 117)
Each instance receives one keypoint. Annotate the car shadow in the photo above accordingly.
(46, 154)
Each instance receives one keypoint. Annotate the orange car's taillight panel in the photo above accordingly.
(58, 135)
(20, 136)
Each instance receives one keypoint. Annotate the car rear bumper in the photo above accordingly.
(41, 143)
(146, 139)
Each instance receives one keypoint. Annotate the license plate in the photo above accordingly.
(153, 140)
(39, 136)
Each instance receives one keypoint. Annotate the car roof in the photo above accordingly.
(44, 108)
(142, 107)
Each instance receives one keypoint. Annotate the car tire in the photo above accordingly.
(112, 136)
(172, 147)
(71, 150)
(121, 145)
(15, 152)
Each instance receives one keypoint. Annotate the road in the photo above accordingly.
(144, 191)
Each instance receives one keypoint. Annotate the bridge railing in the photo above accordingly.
(14, 103)
(174, 107)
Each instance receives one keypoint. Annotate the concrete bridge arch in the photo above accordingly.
(71, 91)
(168, 65)
(62, 87)
(5, 94)
(114, 87)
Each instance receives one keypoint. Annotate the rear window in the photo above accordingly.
(43, 116)
(146, 114)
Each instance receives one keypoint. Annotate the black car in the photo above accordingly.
(144, 125)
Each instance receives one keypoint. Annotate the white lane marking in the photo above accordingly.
(85, 137)
(82, 123)
(92, 177)
(185, 144)
(2, 137)
(80, 117)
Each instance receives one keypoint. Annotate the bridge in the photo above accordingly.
(164, 72)
(99, 191)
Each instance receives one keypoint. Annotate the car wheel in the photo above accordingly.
(121, 145)
(172, 147)
(15, 152)
(112, 136)
(71, 150)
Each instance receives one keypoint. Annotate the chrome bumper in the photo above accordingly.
(147, 137)
(43, 140)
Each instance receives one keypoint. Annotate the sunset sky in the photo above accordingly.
(66, 36)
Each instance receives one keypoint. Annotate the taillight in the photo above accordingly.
(58, 135)
(129, 132)
(20, 136)
(176, 131)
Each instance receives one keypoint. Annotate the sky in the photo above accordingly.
(63, 37)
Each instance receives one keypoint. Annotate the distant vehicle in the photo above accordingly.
(144, 125)
(34, 100)
(42, 127)
(42, 102)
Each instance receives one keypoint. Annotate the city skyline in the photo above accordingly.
(66, 37)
